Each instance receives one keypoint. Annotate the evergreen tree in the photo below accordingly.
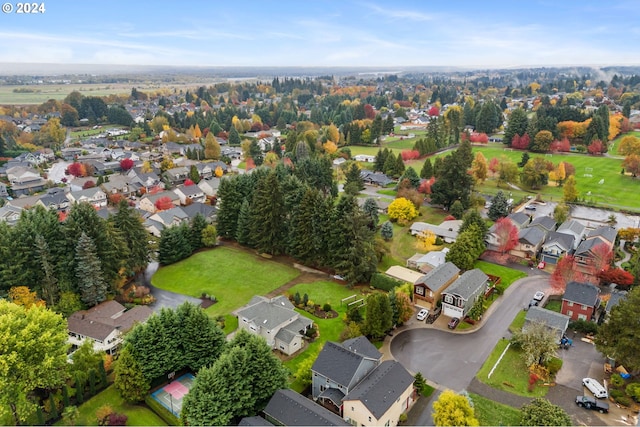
(102, 374)
(353, 180)
(256, 153)
(194, 175)
(65, 396)
(467, 248)
(127, 221)
(211, 147)
(79, 390)
(438, 167)
(517, 125)
(243, 231)
(93, 288)
(390, 164)
(129, 379)
(234, 137)
(427, 170)
(53, 408)
(457, 210)
(386, 231)
(524, 159)
(454, 182)
(473, 217)
(268, 217)
(206, 340)
(370, 208)
(198, 224)
(412, 176)
(399, 169)
(175, 244)
(302, 236)
(499, 207)
(376, 129)
(49, 284)
(229, 205)
(379, 315)
(91, 380)
(387, 127)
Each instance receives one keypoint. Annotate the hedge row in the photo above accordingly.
(162, 412)
(384, 282)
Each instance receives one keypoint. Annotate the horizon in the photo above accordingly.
(348, 34)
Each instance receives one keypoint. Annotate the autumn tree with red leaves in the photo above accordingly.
(88, 184)
(188, 182)
(566, 271)
(563, 145)
(520, 142)
(507, 235)
(164, 203)
(601, 256)
(596, 147)
(77, 169)
(410, 155)
(494, 165)
(425, 186)
(616, 275)
(369, 112)
(434, 111)
(481, 138)
(126, 164)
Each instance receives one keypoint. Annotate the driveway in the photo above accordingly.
(164, 298)
(452, 359)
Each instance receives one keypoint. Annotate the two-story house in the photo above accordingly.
(573, 228)
(105, 324)
(459, 297)
(94, 196)
(555, 246)
(177, 176)
(556, 322)
(580, 301)
(55, 199)
(530, 241)
(25, 181)
(189, 192)
(148, 201)
(596, 243)
(288, 408)
(276, 321)
(209, 186)
(428, 289)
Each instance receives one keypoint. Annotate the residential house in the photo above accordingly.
(381, 398)
(189, 192)
(557, 322)
(276, 321)
(255, 421)
(143, 180)
(364, 158)
(580, 300)
(148, 201)
(447, 230)
(530, 241)
(24, 202)
(163, 219)
(614, 299)
(351, 380)
(338, 161)
(459, 297)
(519, 219)
(545, 223)
(586, 252)
(288, 408)
(71, 153)
(102, 168)
(209, 186)
(375, 178)
(382, 205)
(94, 196)
(427, 262)
(55, 198)
(25, 180)
(556, 246)
(105, 324)
(177, 176)
(209, 212)
(3, 190)
(10, 214)
(429, 287)
(403, 274)
(118, 184)
(573, 228)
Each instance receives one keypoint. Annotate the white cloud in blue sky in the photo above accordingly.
(326, 33)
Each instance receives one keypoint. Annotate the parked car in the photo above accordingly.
(589, 402)
(538, 296)
(530, 208)
(595, 387)
(533, 302)
(422, 314)
(453, 323)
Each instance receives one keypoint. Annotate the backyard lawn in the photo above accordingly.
(138, 415)
(491, 413)
(508, 275)
(231, 275)
(329, 329)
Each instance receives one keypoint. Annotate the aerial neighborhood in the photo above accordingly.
(323, 250)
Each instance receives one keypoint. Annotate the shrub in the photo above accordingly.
(633, 390)
(624, 400)
(161, 411)
(554, 366)
(614, 393)
(326, 307)
(116, 419)
(617, 380)
(384, 282)
(583, 326)
(533, 379)
(103, 413)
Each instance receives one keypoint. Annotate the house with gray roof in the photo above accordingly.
(209, 186)
(544, 222)
(520, 219)
(25, 180)
(10, 214)
(460, 296)
(586, 251)
(375, 178)
(255, 421)
(555, 246)
(428, 289)
(380, 399)
(288, 408)
(530, 241)
(276, 321)
(427, 262)
(614, 299)
(176, 176)
(573, 228)
(580, 301)
(95, 196)
(56, 199)
(189, 192)
(447, 231)
(555, 321)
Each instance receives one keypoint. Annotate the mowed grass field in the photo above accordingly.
(231, 275)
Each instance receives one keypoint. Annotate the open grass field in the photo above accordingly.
(231, 275)
(42, 93)
(491, 413)
(320, 293)
(138, 415)
(511, 374)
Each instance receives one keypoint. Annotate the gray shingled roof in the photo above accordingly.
(533, 235)
(519, 219)
(550, 318)
(606, 232)
(614, 300)
(572, 225)
(292, 409)
(439, 276)
(467, 284)
(361, 345)
(563, 240)
(254, 421)
(338, 363)
(382, 387)
(546, 222)
(269, 313)
(581, 293)
(587, 245)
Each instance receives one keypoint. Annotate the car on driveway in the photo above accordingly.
(530, 208)
(595, 387)
(453, 323)
(538, 296)
(422, 314)
(533, 303)
(589, 402)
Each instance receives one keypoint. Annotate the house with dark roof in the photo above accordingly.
(55, 198)
(545, 223)
(380, 399)
(255, 421)
(288, 408)
(95, 196)
(573, 228)
(460, 296)
(614, 299)
(105, 324)
(557, 322)
(530, 241)
(555, 246)
(428, 289)
(580, 301)
(276, 321)
(176, 176)
(375, 178)
(148, 201)
(189, 192)
(591, 248)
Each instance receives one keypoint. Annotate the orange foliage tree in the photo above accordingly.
(164, 203)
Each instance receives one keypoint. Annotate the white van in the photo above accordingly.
(595, 387)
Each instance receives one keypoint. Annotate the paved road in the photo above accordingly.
(453, 359)
(164, 298)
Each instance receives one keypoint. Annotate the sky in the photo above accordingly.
(386, 34)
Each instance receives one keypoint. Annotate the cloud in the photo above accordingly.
(411, 15)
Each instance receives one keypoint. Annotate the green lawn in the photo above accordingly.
(518, 321)
(231, 275)
(508, 275)
(139, 415)
(554, 305)
(491, 413)
(330, 329)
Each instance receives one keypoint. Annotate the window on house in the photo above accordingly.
(582, 317)
(369, 419)
(584, 307)
(419, 290)
(388, 423)
(570, 303)
(569, 313)
(448, 299)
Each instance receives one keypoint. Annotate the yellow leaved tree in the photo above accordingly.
(402, 210)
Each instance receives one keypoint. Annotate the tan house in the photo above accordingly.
(148, 202)
(403, 274)
(427, 290)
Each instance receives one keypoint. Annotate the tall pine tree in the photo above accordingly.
(93, 288)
